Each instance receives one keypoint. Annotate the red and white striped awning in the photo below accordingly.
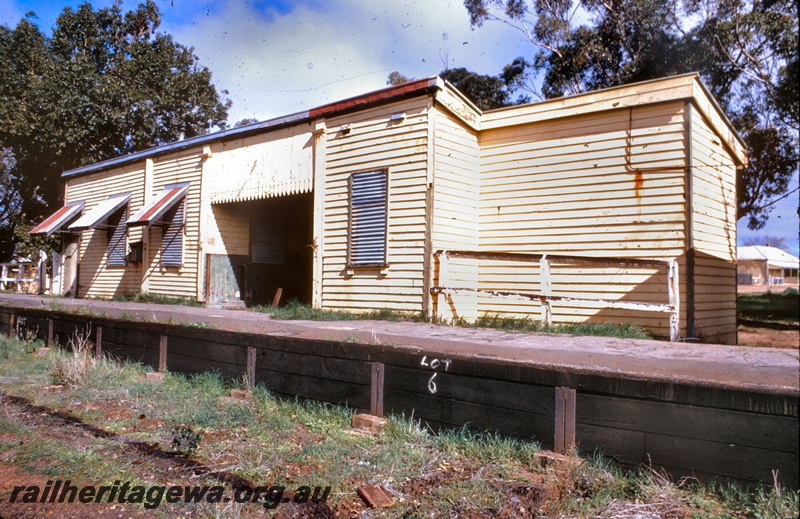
(156, 209)
(101, 212)
(59, 219)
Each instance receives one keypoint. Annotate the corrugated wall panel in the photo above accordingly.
(375, 142)
(95, 277)
(604, 184)
(714, 223)
(168, 280)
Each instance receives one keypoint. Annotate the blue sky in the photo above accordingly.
(276, 57)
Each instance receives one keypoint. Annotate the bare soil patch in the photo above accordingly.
(769, 337)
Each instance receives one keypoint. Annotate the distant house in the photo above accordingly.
(613, 206)
(765, 265)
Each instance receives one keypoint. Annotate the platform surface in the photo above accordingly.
(770, 370)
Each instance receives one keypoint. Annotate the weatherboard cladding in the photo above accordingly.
(95, 278)
(714, 233)
(164, 274)
(597, 184)
(375, 142)
(599, 174)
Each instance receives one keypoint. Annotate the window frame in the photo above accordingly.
(352, 260)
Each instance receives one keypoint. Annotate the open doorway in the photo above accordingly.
(281, 254)
(269, 250)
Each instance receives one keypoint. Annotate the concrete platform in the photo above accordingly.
(764, 370)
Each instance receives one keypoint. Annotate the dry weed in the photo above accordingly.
(74, 367)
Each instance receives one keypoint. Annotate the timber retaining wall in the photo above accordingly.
(688, 429)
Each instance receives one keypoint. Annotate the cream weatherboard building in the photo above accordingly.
(614, 206)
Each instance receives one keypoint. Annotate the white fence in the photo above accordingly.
(547, 290)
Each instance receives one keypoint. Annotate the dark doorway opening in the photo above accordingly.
(281, 254)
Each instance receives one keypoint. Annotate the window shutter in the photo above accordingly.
(368, 209)
(117, 242)
(172, 240)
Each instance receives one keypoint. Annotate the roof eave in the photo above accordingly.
(385, 95)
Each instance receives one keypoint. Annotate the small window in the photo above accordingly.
(368, 218)
(117, 238)
(172, 239)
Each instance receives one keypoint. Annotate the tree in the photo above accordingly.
(105, 84)
(745, 50)
(769, 241)
(396, 78)
(487, 92)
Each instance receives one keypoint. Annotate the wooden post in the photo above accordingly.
(673, 287)
(49, 332)
(277, 299)
(162, 354)
(564, 440)
(376, 390)
(98, 343)
(251, 367)
(20, 277)
(42, 273)
(11, 319)
(444, 281)
(546, 290)
(5, 275)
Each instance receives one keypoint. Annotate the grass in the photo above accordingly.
(143, 297)
(498, 322)
(298, 311)
(770, 307)
(287, 441)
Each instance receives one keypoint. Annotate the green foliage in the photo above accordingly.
(456, 472)
(487, 92)
(185, 440)
(770, 306)
(296, 311)
(104, 84)
(527, 324)
(745, 51)
(146, 297)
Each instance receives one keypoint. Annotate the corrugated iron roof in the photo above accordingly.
(153, 211)
(378, 96)
(774, 257)
(59, 219)
(100, 212)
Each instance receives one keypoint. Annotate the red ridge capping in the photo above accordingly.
(373, 97)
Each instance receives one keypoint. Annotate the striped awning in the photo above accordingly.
(59, 219)
(156, 209)
(100, 212)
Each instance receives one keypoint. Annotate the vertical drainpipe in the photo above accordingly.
(320, 146)
(205, 206)
(427, 262)
(148, 196)
(690, 324)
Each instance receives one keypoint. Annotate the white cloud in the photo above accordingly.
(289, 62)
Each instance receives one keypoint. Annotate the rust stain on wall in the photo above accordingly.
(638, 182)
